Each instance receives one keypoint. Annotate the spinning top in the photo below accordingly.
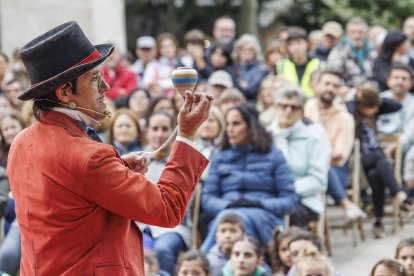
(184, 78)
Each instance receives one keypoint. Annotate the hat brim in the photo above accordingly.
(51, 84)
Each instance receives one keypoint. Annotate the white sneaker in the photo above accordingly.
(353, 212)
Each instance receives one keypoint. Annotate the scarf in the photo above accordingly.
(360, 54)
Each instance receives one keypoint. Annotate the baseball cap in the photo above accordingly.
(146, 42)
(332, 28)
(220, 77)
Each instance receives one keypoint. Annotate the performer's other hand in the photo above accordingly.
(193, 113)
(137, 161)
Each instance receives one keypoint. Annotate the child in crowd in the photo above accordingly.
(246, 258)
(405, 255)
(229, 230)
(312, 263)
(388, 267)
(150, 263)
(279, 250)
(193, 262)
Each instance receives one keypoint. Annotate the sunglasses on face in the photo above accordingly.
(292, 106)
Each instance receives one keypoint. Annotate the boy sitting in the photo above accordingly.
(229, 230)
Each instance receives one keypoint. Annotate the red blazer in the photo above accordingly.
(76, 200)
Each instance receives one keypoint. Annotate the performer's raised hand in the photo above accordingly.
(193, 113)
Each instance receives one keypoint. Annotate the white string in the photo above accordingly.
(149, 154)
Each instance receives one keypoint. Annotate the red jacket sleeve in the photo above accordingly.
(116, 188)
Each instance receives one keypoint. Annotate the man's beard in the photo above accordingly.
(326, 101)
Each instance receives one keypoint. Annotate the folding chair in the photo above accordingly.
(356, 179)
(396, 161)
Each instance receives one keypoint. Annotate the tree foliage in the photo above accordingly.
(151, 17)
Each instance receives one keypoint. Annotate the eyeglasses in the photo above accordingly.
(292, 106)
(99, 80)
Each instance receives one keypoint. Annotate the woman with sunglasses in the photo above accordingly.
(306, 152)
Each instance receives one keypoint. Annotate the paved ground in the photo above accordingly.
(358, 261)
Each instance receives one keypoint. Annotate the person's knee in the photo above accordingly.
(9, 261)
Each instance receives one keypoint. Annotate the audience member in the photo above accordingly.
(229, 230)
(218, 81)
(162, 103)
(268, 90)
(193, 262)
(274, 53)
(219, 59)
(194, 48)
(250, 177)
(139, 102)
(405, 255)
(332, 33)
(5, 105)
(388, 267)
(159, 71)
(145, 52)
(125, 133)
(312, 263)
(229, 98)
(246, 259)
(298, 66)
(399, 81)
(209, 138)
(167, 243)
(315, 38)
(224, 31)
(340, 127)
(250, 69)
(299, 243)
(376, 36)
(279, 249)
(366, 107)
(408, 29)
(120, 78)
(13, 89)
(393, 49)
(352, 57)
(306, 153)
(150, 263)
(5, 74)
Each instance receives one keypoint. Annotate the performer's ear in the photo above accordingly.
(64, 93)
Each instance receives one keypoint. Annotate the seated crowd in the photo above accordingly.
(280, 139)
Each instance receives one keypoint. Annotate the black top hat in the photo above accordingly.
(58, 57)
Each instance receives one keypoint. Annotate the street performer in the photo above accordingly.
(76, 198)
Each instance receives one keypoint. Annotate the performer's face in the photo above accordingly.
(91, 88)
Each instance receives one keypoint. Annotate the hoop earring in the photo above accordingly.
(71, 105)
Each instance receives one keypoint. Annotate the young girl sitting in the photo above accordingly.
(279, 249)
(246, 258)
(405, 255)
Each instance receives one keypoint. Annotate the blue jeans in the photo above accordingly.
(10, 251)
(337, 182)
(166, 247)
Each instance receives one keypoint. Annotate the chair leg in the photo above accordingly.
(361, 229)
(328, 243)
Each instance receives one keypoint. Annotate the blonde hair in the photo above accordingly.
(231, 94)
(248, 39)
(311, 257)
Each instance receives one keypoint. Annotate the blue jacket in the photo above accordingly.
(243, 172)
(252, 73)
